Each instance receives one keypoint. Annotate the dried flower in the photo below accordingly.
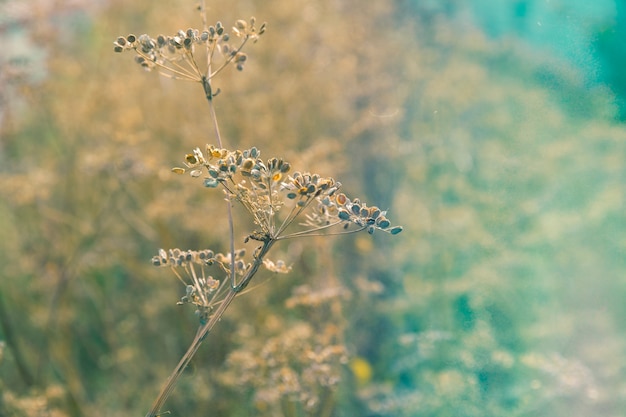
(261, 187)
(175, 55)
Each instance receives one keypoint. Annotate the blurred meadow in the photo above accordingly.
(495, 135)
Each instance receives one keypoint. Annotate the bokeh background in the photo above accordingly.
(492, 131)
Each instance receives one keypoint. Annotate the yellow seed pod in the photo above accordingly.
(177, 170)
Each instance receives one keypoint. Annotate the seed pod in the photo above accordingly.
(343, 214)
(395, 230)
(210, 182)
(248, 164)
(382, 222)
(191, 159)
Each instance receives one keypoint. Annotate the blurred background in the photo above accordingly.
(494, 133)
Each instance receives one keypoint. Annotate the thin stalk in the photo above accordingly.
(193, 348)
(229, 205)
(314, 231)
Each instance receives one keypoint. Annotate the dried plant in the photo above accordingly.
(282, 203)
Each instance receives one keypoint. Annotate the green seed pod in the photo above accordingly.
(343, 214)
(382, 222)
(191, 159)
(395, 230)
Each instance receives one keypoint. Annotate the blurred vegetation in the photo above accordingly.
(503, 296)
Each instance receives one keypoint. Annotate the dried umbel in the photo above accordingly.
(183, 55)
(265, 188)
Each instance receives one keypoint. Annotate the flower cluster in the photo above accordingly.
(201, 289)
(366, 217)
(177, 257)
(174, 55)
(264, 187)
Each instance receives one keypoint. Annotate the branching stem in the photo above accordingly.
(204, 329)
